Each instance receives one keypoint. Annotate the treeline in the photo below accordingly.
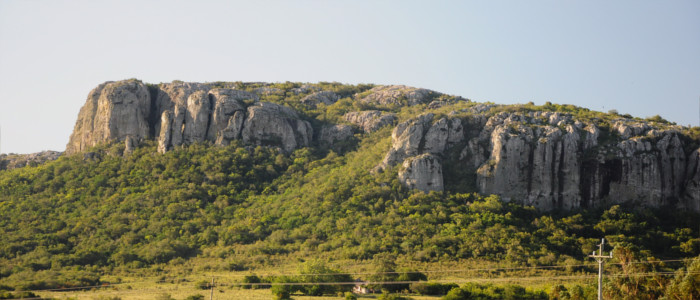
(640, 282)
(66, 222)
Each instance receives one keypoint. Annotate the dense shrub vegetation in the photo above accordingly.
(67, 222)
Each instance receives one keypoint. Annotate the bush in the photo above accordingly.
(489, 291)
(280, 294)
(388, 296)
(195, 297)
(432, 288)
(350, 296)
(251, 279)
(202, 285)
(18, 295)
(282, 291)
(317, 271)
(457, 294)
(164, 296)
(103, 297)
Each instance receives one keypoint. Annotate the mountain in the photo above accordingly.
(550, 157)
(182, 179)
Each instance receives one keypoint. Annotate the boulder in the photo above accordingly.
(423, 172)
(325, 97)
(370, 120)
(270, 124)
(333, 134)
(226, 103)
(397, 95)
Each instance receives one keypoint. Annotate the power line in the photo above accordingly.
(111, 285)
(461, 280)
(454, 270)
(446, 271)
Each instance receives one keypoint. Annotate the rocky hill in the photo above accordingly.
(550, 157)
(200, 178)
(14, 161)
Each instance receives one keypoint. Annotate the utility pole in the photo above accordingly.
(600, 258)
(211, 295)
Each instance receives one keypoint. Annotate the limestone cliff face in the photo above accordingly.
(184, 113)
(270, 124)
(692, 179)
(549, 160)
(546, 159)
(370, 120)
(193, 113)
(113, 112)
(423, 172)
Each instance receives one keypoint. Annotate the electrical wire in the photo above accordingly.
(567, 277)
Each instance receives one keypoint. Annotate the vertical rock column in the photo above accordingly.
(113, 112)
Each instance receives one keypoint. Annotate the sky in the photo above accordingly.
(638, 57)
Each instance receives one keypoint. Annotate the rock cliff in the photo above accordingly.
(370, 120)
(534, 156)
(550, 160)
(184, 113)
(113, 111)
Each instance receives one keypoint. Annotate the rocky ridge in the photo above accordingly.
(547, 159)
(182, 113)
(370, 120)
(550, 160)
(14, 161)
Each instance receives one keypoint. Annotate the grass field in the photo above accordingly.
(181, 292)
(182, 281)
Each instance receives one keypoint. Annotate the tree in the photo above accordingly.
(686, 283)
(314, 271)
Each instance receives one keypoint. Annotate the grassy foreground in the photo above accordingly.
(176, 283)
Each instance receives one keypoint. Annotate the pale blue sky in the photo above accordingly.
(639, 57)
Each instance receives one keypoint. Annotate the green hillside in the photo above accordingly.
(72, 221)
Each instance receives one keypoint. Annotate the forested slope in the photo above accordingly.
(115, 207)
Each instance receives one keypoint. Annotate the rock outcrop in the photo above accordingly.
(14, 161)
(370, 120)
(333, 134)
(423, 172)
(421, 135)
(181, 113)
(398, 95)
(549, 160)
(325, 97)
(113, 112)
(228, 114)
(692, 182)
(270, 124)
(546, 159)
